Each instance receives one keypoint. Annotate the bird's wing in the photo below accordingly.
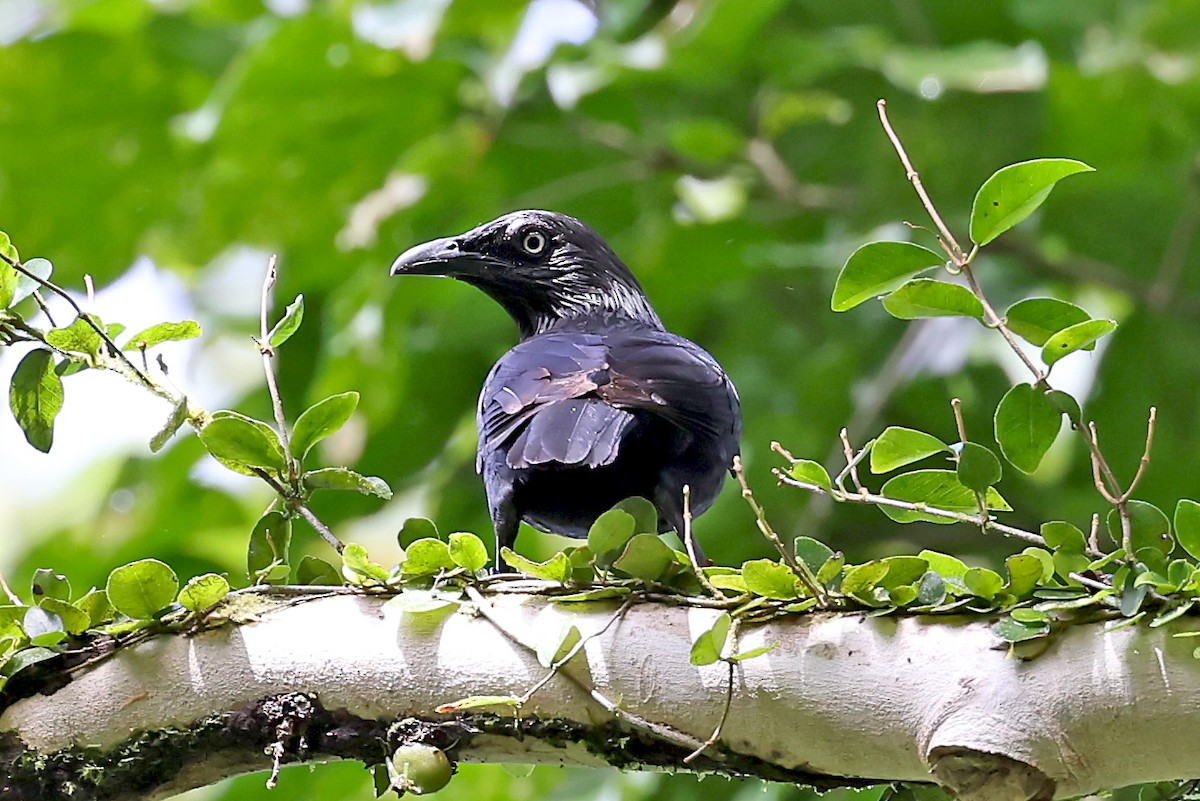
(667, 375)
(540, 401)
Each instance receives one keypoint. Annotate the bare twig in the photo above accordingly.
(583, 641)
(1137, 477)
(852, 460)
(956, 405)
(1094, 533)
(801, 570)
(11, 596)
(690, 545)
(716, 734)
(264, 347)
(320, 527)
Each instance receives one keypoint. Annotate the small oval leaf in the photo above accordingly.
(1076, 337)
(243, 441)
(927, 297)
(1037, 319)
(877, 268)
(36, 397)
(1014, 192)
(142, 589)
(978, 467)
(320, 420)
(1027, 424)
(897, 447)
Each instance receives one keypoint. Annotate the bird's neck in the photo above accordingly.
(617, 302)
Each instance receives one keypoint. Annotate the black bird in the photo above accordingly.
(598, 402)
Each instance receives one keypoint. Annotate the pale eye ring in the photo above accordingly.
(533, 242)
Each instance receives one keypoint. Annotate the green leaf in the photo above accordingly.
(426, 557)
(812, 553)
(770, 579)
(8, 276)
(475, 701)
(96, 604)
(877, 268)
(78, 337)
(203, 592)
(1187, 526)
(142, 589)
(358, 567)
(861, 579)
(932, 589)
(551, 650)
(179, 416)
(927, 297)
(983, 582)
(292, 317)
(468, 551)
(1066, 404)
(48, 584)
(1148, 527)
(422, 602)
(1037, 319)
(1025, 573)
(741, 656)
(831, 569)
(26, 285)
(611, 531)
(1075, 337)
(901, 570)
(74, 620)
(312, 570)
(645, 557)
(897, 447)
(1062, 536)
(343, 478)
(1011, 630)
(978, 468)
(320, 420)
(944, 565)
(556, 568)
(708, 646)
(269, 544)
(36, 398)
(645, 514)
(1026, 426)
(163, 332)
(416, 528)
(26, 658)
(810, 472)
(235, 439)
(936, 488)
(1013, 193)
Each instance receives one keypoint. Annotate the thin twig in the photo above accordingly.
(690, 546)
(852, 460)
(12, 597)
(1137, 477)
(264, 347)
(716, 734)
(956, 405)
(1094, 533)
(320, 527)
(1098, 464)
(558, 665)
(801, 570)
(659, 730)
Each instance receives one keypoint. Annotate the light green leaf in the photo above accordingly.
(1037, 319)
(36, 398)
(551, 650)
(48, 584)
(142, 589)
(645, 557)
(320, 420)
(1025, 573)
(708, 646)
(163, 332)
(937, 488)
(343, 478)
(179, 416)
(235, 439)
(861, 579)
(357, 565)
(877, 268)
(770, 579)
(927, 297)
(202, 592)
(468, 551)
(1062, 536)
(810, 472)
(556, 568)
(426, 557)
(80, 336)
(902, 570)
(8, 276)
(1075, 337)
(983, 582)
(289, 324)
(74, 619)
(944, 565)
(611, 531)
(1013, 193)
(422, 602)
(978, 468)
(1027, 424)
(1187, 526)
(897, 447)
(26, 285)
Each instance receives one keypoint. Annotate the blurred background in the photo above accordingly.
(728, 151)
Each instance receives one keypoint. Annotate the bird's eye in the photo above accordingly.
(533, 242)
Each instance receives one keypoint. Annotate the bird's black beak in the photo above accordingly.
(439, 257)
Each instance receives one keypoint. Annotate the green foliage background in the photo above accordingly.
(729, 151)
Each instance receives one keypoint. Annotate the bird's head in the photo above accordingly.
(541, 266)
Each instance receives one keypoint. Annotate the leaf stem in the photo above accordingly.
(268, 353)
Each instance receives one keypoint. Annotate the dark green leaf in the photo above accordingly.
(1037, 319)
(36, 398)
(1066, 404)
(877, 268)
(1076, 337)
(343, 478)
(163, 332)
(25, 658)
(1148, 527)
(416, 528)
(269, 544)
(770, 579)
(927, 297)
(1013, 193)
(1062, 536)
(1026, 426)
(812, 552)
(235, 439)
(1187, 526)
(978, 467)
(468, 551)
(940, 489)
(1011, 630)
(202, 592)
(320, 420)
(292, 317)
(312, 570)
(645, 515)
(645, 557)
(932, 590)
(897, 447)
(810, 472)
(142, 589)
